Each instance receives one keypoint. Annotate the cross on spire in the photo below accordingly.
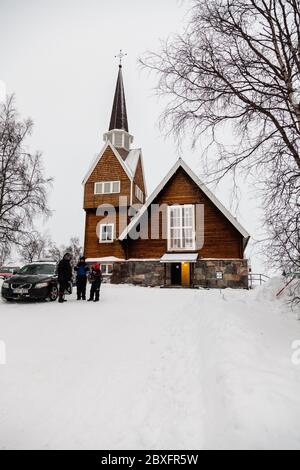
(120, 56)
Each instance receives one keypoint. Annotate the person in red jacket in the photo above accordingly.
(96, 279)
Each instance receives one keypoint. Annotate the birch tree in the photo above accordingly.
(235, 71)
(23, 185)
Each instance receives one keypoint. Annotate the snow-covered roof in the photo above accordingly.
(132, 160)
(179, 258)
(108, 259)
(130, 260)
(129, 164)
(44, 261)
(98, 158)
(9, 266)
(181, 164)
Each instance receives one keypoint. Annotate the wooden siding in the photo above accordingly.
(94, 249)
(222, 240)
(108, 169)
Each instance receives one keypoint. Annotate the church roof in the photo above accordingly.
(129, 164)
(133, 159)
(181, 164)
(119, 113)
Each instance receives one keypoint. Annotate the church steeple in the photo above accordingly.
(118, 133)
(119, 113)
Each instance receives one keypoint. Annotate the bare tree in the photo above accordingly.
(237, 63)
(74, 248)
(4, 254)
(283, 227)
(55, 253)
(34, 247)
(23, 186)
(236, 71)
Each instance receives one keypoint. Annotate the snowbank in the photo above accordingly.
(281, 290)
(270, 289)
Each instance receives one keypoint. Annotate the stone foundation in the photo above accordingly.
(234, 274)
(139, 273)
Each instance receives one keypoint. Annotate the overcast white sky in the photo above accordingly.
(57, 56)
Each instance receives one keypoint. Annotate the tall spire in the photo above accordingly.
(119, 113)
(118, 134)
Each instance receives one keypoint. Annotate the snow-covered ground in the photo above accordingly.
(151, 369)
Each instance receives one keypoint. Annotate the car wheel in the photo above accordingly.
(9, 300)
(53, 294)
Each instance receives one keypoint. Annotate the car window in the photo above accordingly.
(36, 269)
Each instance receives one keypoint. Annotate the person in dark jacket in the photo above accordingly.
(64, 274)
(96, 281)
(82, 271)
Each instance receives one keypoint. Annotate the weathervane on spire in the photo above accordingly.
(120, 56)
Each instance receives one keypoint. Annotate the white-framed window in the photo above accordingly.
(219, 275)
(139, 194)
(107, 187)
(107, 233)
(107, 269)
(126, 141)
(118, 139)
(181, 228)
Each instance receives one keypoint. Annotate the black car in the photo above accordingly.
(35, 281)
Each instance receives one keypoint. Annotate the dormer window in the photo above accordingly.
(107, 187)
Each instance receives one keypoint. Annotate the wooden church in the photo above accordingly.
(181, 235)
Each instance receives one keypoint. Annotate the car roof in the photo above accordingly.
(43, 262)
(9, 267)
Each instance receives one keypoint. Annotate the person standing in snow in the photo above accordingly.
(64, 274)
(82, 271)
(96, 279)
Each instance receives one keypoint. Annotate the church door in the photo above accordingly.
(176, 274)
